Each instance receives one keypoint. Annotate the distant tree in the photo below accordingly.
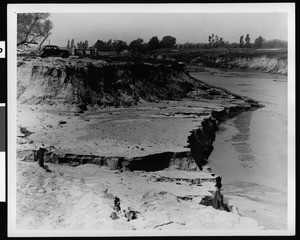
(68, 44)
(137, 46)
(209, 40)
(119, 46)
(242, 43)
(276, 43)
(32, 28)
(215, 41)
(221, 43)
(85, 44)
(109, 45)
(167, 42)
(216, 38)
(188, 45)
(259, 42)
(79, 44)
(72, 43)
(212, 39)
(247, 39)
(154, 43)
(100, 45)
(233, 45)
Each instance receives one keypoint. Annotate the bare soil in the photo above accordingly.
(64, 197)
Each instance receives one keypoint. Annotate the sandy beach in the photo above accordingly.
(68, 196)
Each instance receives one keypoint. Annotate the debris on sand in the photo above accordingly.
(114, 216)
(130, 214)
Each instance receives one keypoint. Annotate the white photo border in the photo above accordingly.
(13, 9)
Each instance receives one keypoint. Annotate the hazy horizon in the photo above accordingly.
(185, 27)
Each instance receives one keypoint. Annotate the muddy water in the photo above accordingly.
(250, 151)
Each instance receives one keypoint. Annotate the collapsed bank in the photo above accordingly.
(81, 86)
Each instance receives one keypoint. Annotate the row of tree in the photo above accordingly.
(275, 43)
(214, 41)
(242, 42)
(258, 42)
(35, 28)
(83, 45)
(136, 46)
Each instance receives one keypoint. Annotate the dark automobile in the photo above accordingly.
(52, 50)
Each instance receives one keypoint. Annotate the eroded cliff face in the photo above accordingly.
(262, 63)
(85, 82)
(201, 139)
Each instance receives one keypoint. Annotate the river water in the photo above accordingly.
(250, 150)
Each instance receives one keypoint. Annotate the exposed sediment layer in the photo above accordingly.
(201, 139)
(261, 63)
(86, 82)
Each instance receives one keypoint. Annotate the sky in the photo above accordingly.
(185, 27)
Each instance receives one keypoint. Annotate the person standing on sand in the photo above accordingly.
(218, 198)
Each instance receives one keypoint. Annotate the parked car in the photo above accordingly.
(52, 50)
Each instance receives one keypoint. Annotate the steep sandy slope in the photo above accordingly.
(86, 82)
(263, 63)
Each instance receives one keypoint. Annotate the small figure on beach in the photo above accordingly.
(218, 183)
(117, 203)
(39, 156)
(218, 197)
(218, 200)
